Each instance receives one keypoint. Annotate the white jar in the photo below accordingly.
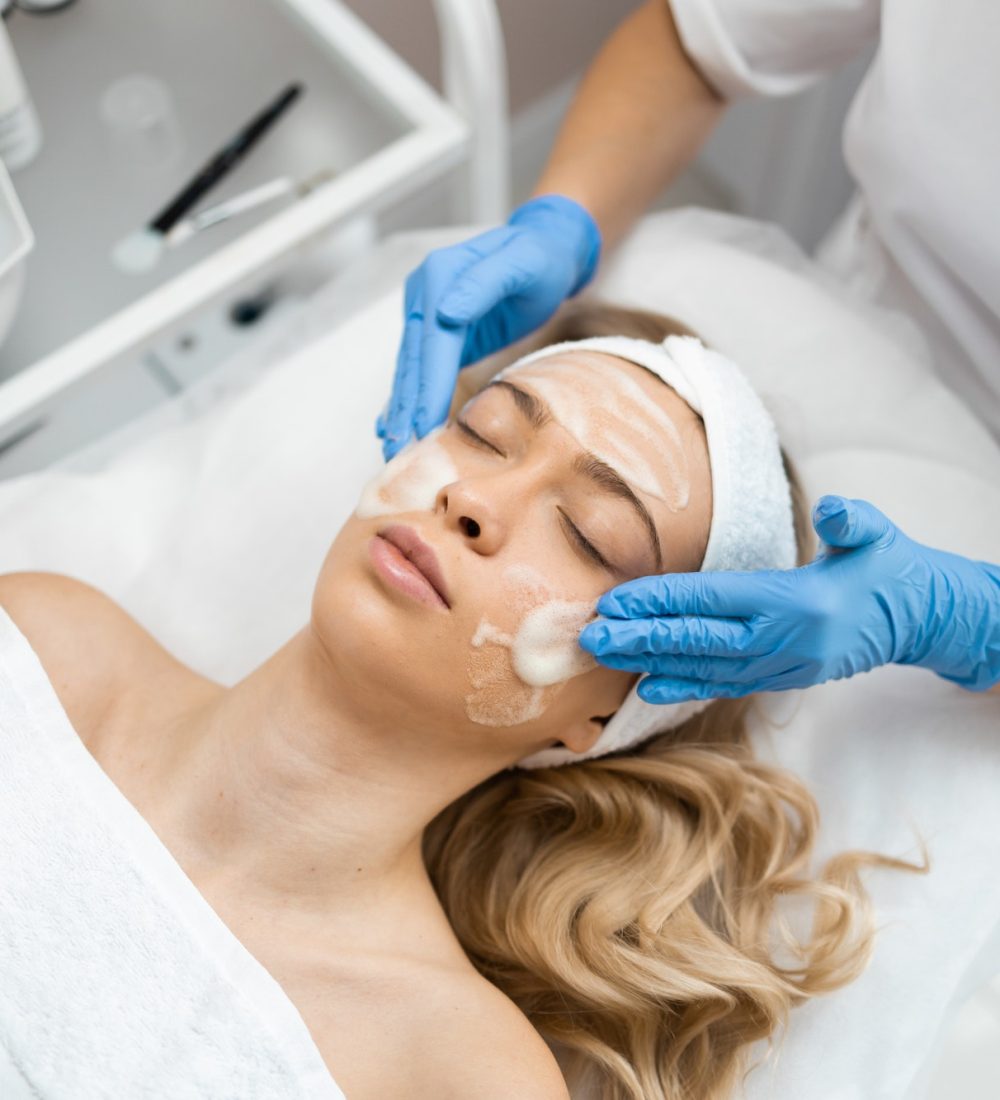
(20, 132)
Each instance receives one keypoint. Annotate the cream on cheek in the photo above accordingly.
(514, 674)
(410, 482)
(609, 415)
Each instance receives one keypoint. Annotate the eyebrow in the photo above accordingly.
(536, 412)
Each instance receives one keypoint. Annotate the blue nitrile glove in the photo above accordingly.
(472, 299)
(871, 597)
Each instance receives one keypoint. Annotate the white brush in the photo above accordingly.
(143, 249)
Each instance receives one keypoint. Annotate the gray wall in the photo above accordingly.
(547, 41)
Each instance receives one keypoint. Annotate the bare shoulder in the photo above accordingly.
(484, 1048)
(61, 616)
(86, 642)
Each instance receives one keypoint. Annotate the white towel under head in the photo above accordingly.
(752, 525)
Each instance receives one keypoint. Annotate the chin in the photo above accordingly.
(383, 651)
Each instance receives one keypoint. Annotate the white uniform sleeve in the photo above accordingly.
(772, 47)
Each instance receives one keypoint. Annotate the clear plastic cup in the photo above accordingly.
(138, 113)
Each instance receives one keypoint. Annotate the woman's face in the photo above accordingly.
(453, 598)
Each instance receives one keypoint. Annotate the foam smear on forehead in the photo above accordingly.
(610, 415)
(410, 482)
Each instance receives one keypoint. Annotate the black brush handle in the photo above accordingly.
(224, 160)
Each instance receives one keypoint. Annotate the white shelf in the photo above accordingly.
(365, 113)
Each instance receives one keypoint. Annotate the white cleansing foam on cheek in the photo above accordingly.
(513, 673)
(497, 697)
(545, 649)
(410, 482)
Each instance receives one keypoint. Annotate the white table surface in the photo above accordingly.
(222, 61)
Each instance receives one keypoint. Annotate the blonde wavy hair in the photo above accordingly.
(634, 906)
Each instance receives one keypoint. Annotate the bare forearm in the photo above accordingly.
(640, 115)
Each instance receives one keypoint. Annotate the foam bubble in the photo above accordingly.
(546, 649)
(513, 674)
(487, 632)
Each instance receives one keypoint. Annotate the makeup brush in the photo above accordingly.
(141, 250)
(240, 204)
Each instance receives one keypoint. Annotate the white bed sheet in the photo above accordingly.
(211, 533)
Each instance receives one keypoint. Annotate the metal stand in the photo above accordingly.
(474, 72)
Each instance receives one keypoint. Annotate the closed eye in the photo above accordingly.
(576, 536)
(476, 439)
(588, 548)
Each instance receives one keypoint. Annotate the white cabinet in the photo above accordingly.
(366, 116)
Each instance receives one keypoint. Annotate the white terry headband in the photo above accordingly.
(752, 526)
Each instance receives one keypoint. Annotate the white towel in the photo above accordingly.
(118, 980)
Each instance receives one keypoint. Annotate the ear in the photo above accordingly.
(581, 736)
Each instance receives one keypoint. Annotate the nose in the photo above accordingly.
(468, 510)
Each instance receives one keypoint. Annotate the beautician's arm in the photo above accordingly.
(639, 117)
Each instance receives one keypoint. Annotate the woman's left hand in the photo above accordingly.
(871, 597)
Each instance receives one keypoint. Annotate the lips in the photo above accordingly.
(419, 555)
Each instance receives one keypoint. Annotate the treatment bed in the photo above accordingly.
(208, 519)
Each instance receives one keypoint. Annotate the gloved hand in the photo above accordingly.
(871, 597)
(472, 299)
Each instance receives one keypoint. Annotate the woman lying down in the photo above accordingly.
(442, 828)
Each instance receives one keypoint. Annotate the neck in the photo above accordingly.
(281, 791)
